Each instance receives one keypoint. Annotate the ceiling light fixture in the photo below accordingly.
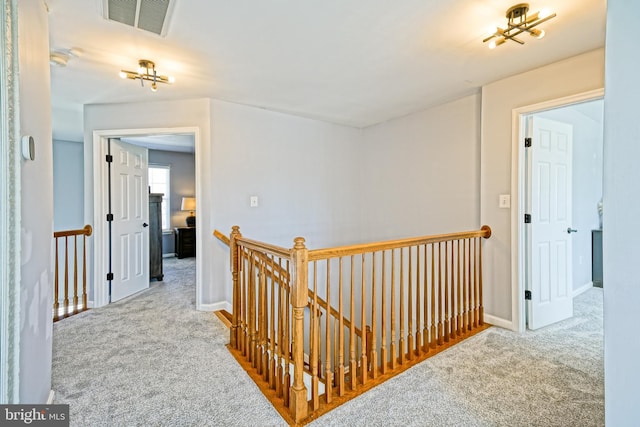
(147, 71)
(518, 22)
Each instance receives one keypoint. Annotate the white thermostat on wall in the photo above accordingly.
(28, 148)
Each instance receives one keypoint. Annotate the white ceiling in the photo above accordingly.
(354, 62)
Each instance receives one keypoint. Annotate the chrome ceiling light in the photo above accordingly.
(147, 71)
(518, 22)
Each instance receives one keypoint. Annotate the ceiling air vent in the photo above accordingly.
(148, 15)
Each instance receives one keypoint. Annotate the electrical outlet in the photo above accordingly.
(253, 201)
(504, 201)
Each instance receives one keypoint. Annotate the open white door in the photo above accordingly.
(549, 242)
(130, 208)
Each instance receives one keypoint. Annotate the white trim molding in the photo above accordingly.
(499, 322)
(216, 306)
(582, 289)
(9, 205)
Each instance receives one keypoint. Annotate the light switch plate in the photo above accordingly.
(253, 201)
(504, 201)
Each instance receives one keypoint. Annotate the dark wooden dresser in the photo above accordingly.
(155, 236)
(185, 241)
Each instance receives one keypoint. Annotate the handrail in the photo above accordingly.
(318, 254)
(86, 230)
(224, 239)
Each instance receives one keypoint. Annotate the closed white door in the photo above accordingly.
(130, 230)
(550, 231)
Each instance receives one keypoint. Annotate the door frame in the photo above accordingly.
(100, 228)
(518, 192)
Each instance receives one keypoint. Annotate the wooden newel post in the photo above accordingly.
(235, 272)
(298, 406)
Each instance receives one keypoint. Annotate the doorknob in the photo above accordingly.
(144, 224)
(571, 230)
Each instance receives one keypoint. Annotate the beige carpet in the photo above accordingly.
(152, 360)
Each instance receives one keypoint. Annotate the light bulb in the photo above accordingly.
(171, 79)
(154, 88)
(142, 70)
(123, 75)
(492, 44)
(544, 13)
(537, 33)
(497, 42)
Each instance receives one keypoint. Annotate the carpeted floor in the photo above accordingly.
(152, 360)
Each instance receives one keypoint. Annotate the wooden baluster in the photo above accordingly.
(279, 349)
(373, 353)
(401, 343)
(75, 274)
(481, 307)
(363, 313)
(84, 267)
(440, 296)
(452, 315)
(298, 407)
(410, 307)
(252, 309)
(459, 296)
(244, 275)
(465, 297)
(433, 339)
(329, 373)
(425, 324)
(393, 309)
(235, 269)
(262, 320)
(446, 292)
(353, 364)
(66, 277)
(469, 309)
(341, 336)
(472, 273)
(418, 303)
(56, 285)
(476, 314)
(383, 337)
(272, 336)
(314, 342)
(286, 389)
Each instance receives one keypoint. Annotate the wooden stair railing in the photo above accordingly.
(412, 297)
(62, 239)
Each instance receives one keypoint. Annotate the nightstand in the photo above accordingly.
(185, 241)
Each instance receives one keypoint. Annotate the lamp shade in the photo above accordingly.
(188, 204)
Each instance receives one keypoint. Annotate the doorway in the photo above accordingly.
(101, 248)
(584, 113)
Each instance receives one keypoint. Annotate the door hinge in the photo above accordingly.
(527, 218)
(527, 142)
(109, 158)
(109, 276)
(527, 295)
(109, 217)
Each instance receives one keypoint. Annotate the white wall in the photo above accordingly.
(421, 173)
(621, 213)
(303, 171)
(587, 181)
(36, 205)
(68, 185)
(572, 76)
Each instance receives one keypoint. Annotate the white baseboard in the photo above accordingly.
(51, 395)
(169, 255)
(499, 322)
(216, 306)
(582, 289)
